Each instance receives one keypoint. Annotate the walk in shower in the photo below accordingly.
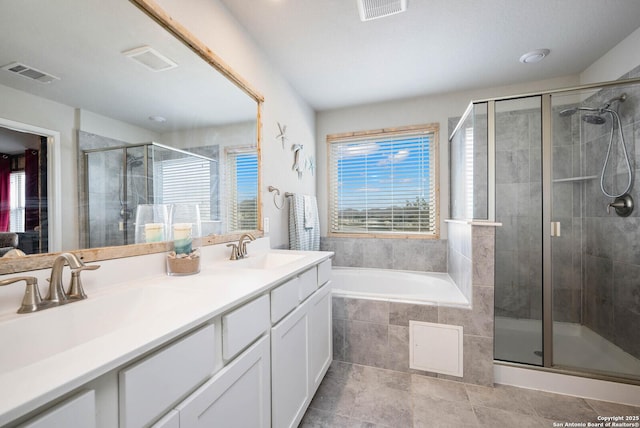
(118, 179)
(559, 171)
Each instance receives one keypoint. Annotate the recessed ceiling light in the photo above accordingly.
(159, 119)
(534, 56)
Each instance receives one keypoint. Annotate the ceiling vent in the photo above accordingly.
(30, 72)
(150, 58)
(373, 9)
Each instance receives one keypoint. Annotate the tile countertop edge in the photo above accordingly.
(66, 371)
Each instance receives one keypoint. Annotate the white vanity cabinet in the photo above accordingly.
(239, 394)
(301, 348)
(256, 363)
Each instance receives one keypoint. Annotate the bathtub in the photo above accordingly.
(429, 288)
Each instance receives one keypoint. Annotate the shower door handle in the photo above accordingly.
(555, 228)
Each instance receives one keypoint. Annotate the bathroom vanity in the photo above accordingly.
(243, 343)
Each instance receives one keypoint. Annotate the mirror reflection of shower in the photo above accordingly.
(120, 178)
(596, 116)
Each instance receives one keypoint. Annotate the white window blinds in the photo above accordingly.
(385, 183)
(17, 201)
(185, 181)
(242, 189)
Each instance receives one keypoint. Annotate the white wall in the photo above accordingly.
(624, 57)
(214, 25)
(413, 111)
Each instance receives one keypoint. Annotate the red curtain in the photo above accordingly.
(5, 188)
(31, 194)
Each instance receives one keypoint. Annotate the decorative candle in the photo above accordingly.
(182, 238)
(154, 232)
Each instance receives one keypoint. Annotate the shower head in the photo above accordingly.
(568, 112)
(134, 161)
(594, 116)
(594, 119)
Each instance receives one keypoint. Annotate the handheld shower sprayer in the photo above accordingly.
(595, 117)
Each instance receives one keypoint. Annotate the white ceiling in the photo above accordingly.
(436, 46)
(81, 42)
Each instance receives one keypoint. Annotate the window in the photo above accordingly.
(184, 180)
(242, 188)
(17, 201)
(384, 183)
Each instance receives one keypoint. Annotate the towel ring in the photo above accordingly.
(275, 195)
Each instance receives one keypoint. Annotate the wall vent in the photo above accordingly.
(30, 72)
(373, 9)
(150, 58)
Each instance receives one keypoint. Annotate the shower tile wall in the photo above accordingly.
(423, 255)
(518, 196)
(612, 243)
(103, 222)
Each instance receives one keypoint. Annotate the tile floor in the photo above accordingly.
(353, 396)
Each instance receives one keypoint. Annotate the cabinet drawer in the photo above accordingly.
(79, 411)
(324, 272)
(151, 386)
(244, 325)
(284, 299)
(308, 282)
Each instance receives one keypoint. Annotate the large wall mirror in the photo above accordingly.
(103, 110)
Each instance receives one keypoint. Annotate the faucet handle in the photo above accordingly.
(31, 302)
(234, 251)
(76, 291)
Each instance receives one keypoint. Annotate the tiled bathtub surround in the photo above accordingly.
(376, 333)
(424, 255)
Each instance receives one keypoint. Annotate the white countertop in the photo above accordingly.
(199, 297)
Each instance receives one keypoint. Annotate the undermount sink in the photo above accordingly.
(268, 260)
(33, 337)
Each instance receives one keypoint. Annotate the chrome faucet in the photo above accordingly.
(239, 250)
(56, 293)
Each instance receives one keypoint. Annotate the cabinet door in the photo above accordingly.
(79, 411)
(237, 396)
(289, 368)
(320, 341)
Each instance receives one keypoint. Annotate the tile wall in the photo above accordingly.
(425, 255)
(611, 289)
(376, 333)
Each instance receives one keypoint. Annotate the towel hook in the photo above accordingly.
(275, 202)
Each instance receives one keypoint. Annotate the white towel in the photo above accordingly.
(301, 237)
(309, 203)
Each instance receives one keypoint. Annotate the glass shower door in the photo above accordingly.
(518, 246)
(595, 267)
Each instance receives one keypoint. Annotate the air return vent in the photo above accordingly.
(150, 58)
(30, 72)
(373, 9)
